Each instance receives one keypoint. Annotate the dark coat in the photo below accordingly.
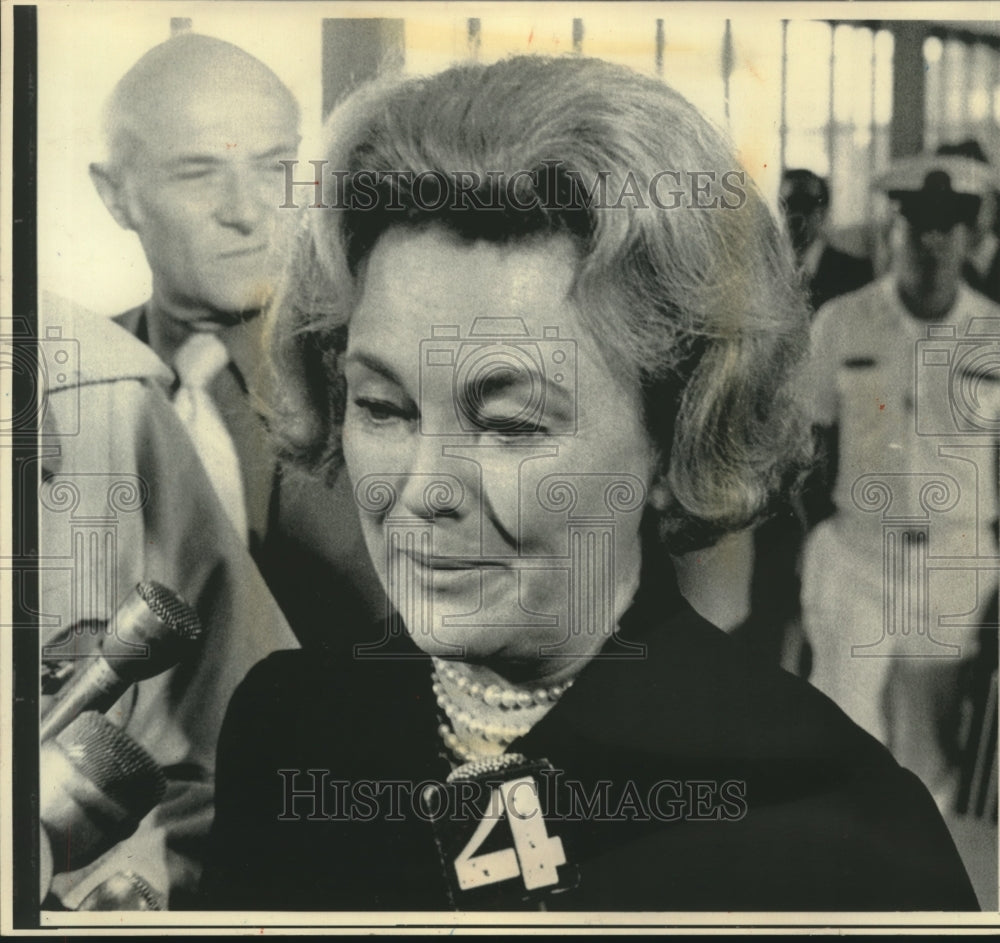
(779, 801)
(837, 274)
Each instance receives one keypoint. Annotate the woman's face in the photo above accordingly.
(500, 466)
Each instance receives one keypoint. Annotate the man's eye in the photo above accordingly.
(194, 173)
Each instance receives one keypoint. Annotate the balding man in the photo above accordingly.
(196, 130)
(171, 398)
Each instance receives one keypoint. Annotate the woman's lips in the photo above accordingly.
(449, 562)
(448, 574)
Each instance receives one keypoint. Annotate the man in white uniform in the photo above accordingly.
(903, 384)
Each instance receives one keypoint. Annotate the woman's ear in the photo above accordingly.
(111, 187)
(660, 495)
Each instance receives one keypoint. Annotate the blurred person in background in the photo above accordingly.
(827, 271)
(773, 629)
(904, 396)
(982, 266)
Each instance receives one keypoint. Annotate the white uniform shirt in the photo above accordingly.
(918, 409)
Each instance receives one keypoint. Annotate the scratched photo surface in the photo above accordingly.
(503, 464)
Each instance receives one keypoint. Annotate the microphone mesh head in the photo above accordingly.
(167, 606)
(113, 762)
(125, 890)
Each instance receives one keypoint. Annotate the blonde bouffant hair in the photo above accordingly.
(690, 288)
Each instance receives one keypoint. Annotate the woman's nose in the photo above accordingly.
(436, 485)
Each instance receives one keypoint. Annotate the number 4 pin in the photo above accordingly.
(535, 856)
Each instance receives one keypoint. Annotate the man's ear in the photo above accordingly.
(111, 187)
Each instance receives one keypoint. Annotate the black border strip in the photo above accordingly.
(24, 458)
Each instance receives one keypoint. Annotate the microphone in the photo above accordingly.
(155, 630)
(96, 785)
(125, 890)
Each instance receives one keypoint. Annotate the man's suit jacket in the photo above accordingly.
(837, 274)
(304, 533)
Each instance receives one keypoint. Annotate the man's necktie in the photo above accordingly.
(197, 363)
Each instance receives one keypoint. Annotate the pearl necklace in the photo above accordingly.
(497, 737)
(461, 752)
(495, 696)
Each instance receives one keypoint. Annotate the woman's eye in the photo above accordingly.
(512, 429)
(381, 412)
